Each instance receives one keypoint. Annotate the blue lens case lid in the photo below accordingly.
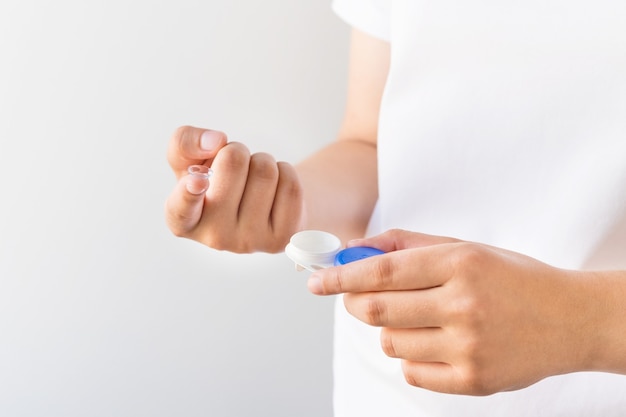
(356, 253)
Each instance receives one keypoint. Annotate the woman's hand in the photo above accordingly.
(466, 318)
(253, 203)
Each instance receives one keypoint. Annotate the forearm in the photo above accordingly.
(340, 187)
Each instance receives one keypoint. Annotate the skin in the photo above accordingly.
(461, 317)
(255, 203)
(467, 318)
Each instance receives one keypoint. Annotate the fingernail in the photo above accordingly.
(209, 140)
(353, 242)
(314, 284)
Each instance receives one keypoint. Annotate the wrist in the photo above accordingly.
(603, 320)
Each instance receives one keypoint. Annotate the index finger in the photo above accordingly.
(193, 146)
(410, 269)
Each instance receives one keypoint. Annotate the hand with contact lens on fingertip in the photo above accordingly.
(253, 203)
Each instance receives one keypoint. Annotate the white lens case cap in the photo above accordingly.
(313, 249)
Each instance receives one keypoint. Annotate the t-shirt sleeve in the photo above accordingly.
(369, 16)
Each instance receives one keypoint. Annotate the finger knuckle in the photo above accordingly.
(221, 242)
(214, 235)
(176, 145)
(470, 348)
(178, 223)
(289, 183)
(177, 230)
(469, 256)
(183, 131)
(241, 241)
(466, 308)
(183, 134)
(383, 273)
(234, 156)
(263, 167)
(411, 376)
(387, 343)
(396, 233)
(474, 382)
(214, 243)
(336, 281)
(375, 311)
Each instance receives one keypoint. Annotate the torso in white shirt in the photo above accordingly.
(504, 123)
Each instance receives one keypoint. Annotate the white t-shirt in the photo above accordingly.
(502, 122)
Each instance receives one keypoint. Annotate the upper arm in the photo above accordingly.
(349, 163)
(367, 75)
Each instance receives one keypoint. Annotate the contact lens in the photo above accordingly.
(200, 171)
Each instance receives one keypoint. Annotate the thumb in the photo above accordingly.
(193, 146)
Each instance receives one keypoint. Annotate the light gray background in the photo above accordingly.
(102, 311)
